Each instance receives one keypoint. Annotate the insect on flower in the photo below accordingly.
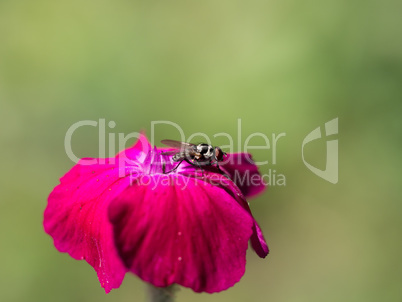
(196, 155)
(124, 214)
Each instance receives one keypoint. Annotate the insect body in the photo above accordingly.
(197, 155)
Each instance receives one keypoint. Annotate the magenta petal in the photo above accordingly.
(137, 153)
(174, 229)
(257, 239)
(76, 218)
(242, 170)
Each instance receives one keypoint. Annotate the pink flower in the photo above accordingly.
(187, 227)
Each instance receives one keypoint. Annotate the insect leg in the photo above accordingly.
(199, 166)
(195, 163)
(174, 167)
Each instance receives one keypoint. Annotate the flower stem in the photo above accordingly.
(161, 294)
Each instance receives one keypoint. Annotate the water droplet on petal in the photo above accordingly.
(180, 258)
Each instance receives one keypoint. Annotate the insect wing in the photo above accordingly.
(177, 144)
(171, 152)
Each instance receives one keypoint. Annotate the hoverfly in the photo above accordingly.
(196, 155)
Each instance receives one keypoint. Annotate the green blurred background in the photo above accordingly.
(279, 66)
